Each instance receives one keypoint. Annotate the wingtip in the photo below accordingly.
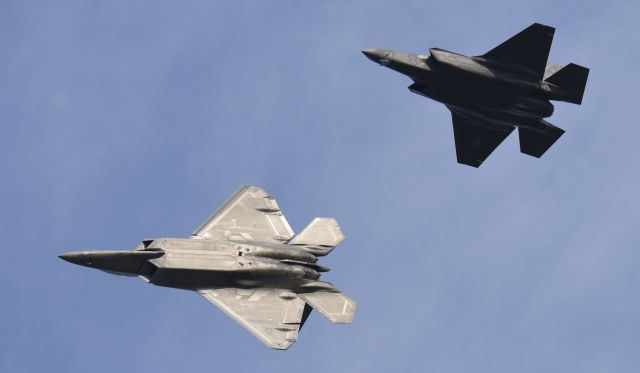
(543, 26)
(280, 346)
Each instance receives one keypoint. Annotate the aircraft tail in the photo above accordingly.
(572, 79)
(320, 237)
(535, 143)
(336, 307)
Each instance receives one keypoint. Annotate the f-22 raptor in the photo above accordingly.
(490, 95)
(246, 260)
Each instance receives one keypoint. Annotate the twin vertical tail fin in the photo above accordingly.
(572, 79)
(320, 237)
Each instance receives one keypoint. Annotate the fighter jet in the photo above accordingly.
(247, 261)
(490, 95)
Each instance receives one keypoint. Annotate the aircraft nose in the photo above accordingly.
(376, 55)
(74, 257)
(373, 54)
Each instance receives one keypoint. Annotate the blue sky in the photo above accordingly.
(125, 120)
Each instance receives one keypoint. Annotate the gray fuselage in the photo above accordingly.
(193, 263)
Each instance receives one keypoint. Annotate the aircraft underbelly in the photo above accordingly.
(189, 278)
(496, 105)
(206, 279)
(200, 270)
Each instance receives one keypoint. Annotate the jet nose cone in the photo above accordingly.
(373, 54)
(380, 56)
(66, 256)
(73, 257)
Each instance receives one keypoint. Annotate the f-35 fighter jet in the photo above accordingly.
(246, 260)
(490, 95)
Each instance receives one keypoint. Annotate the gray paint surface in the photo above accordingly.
(244, 259)
(123, 120)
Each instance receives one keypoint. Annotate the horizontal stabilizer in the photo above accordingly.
(320, 236)
(336, 307)
(572, 79)
(536, 143)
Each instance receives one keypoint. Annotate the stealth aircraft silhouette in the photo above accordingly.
(490, 95)
(246, 260)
